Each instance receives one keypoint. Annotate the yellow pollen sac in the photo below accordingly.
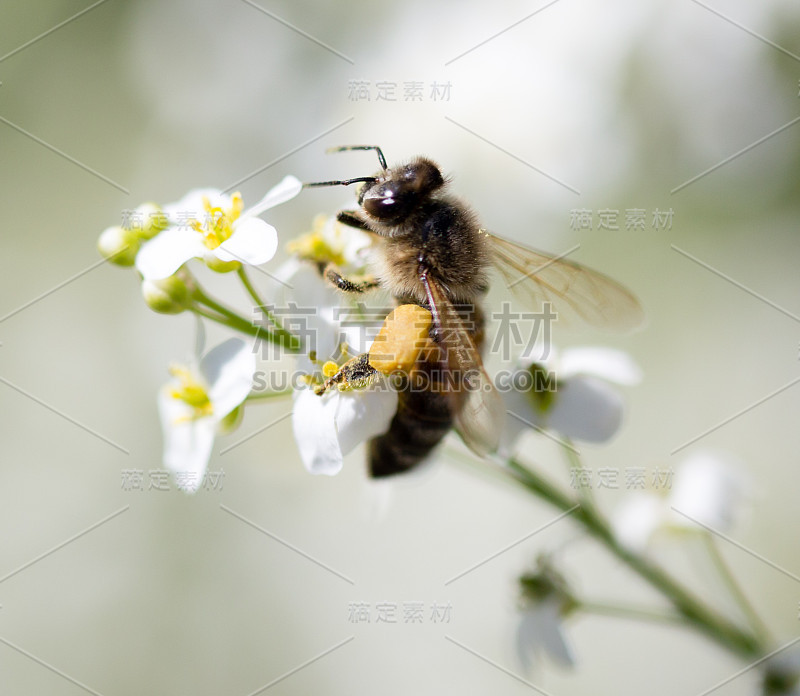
(401, 339)
(329, 369)
(191, 392)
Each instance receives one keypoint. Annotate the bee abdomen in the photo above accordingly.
(423, 418)
(426, 408)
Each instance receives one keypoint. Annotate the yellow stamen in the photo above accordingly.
(191, 391)
(237, 206)
(313, 246)
(218, 224)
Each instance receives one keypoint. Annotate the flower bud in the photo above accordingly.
(220, 266)
(232, 421)
(167, 295)
(153, 220)
(118, 245)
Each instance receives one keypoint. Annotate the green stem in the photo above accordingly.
(736, 591)
(284, 337)
(248, 285)
(255, 397)
(231, 322)
(227, 317)
(200, 296)
(585, 493)
(702, 617)
(627, 612)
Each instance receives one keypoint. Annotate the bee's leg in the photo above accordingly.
(347, 217)
(333, 276)
(355, 373)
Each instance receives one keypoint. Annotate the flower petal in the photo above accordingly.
(607, 363)
(709, 490)
(253, 242)
(192, 205)
(284, 191)
(167, 252)
(320, 311)
(540, 631)
(187, 441)
(521, 418)
(362, 415)
(315, 431)
(228, 368)
(635, 521)
(587, 409)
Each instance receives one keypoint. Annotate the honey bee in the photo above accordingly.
(430, 251)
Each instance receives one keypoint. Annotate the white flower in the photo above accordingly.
(707, 491)
(330, 241)
(637, 519)
(547, 601)
(540, 631)
(321, 315)
(571, 395)
(324, 318)
(213, 226)
(328, 427)
(199, 403)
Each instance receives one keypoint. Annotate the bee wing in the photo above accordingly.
(572, 289)
(479, 408)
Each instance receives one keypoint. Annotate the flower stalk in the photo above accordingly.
(702, 617)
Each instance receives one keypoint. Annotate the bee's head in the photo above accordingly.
(392, 194)
(395, 193)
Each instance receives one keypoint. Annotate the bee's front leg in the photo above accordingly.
(351, 219)
(334, 276)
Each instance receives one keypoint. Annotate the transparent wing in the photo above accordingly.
(479, 409)
(572, 289)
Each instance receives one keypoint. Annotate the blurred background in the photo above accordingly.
(537, 110)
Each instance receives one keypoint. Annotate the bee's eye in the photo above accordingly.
(388, 201)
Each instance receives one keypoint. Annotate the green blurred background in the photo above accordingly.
(623, 102)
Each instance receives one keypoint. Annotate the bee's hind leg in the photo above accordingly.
(356, 373)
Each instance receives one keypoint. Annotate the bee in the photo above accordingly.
(430, 251)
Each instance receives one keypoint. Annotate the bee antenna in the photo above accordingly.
(344, 148)
(341, 182)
